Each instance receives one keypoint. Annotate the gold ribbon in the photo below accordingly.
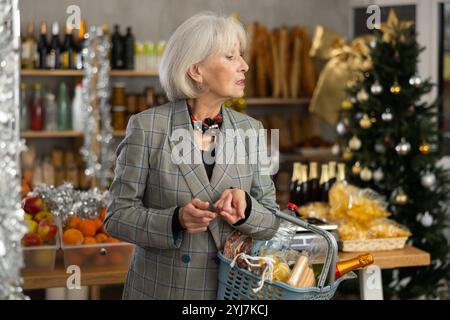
(345, 61)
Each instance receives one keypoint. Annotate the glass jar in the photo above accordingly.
(119, 117)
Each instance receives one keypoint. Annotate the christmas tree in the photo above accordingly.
(390, 143)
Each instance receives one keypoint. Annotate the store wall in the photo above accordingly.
(157, 19)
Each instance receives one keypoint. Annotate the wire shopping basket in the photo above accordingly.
(236, 283)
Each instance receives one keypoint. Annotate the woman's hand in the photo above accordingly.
(231, 205)
(195, 217)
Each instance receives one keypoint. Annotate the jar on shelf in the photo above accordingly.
(119, 117)
(118, 94)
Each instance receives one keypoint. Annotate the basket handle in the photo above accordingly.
(329, 267)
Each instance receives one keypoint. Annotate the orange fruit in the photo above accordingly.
(89, 240)
(87, 227)
(73, 222)
(101, 237)
(98, 224)
(102, 214)
(73, 236)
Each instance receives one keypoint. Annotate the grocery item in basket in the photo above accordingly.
(235, 244)
(302, 275)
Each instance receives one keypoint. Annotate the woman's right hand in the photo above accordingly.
(195, 217)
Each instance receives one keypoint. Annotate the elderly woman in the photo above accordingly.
(177, 193)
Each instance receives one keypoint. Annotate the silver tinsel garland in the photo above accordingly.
(64, 201)
(97, 129)
(12, 226)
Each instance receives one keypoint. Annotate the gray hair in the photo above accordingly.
(192, 42)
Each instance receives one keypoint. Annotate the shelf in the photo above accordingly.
(277, 101)
(60, 134)
(79, 73)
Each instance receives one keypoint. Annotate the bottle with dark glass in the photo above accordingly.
(324, 183)
(294, 181)
(313, 181)
(341, 173)
(37, 119)
(24, 108)
(68, 50)
(54, 53)
(129, 50)
(117, 51)
(80, 44)
(302, 188)
(332, 172)
(42, 48)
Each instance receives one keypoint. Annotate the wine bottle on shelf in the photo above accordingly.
(314, 187)
(37, 109)
(341, 173)
(63, 114)
(68, 50)
(117, 52)
(332, 172)
(302, 189)
(324, 183)
(42, 48)
(28, 48)
(129, 50)
(294, 181)
(24, 110)
(361, 261)
(54, 53)
(80, 44)
(50, 111)
(77, 109)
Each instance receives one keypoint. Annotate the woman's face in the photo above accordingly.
(223, 74)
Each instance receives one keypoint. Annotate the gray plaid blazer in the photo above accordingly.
(148, 186)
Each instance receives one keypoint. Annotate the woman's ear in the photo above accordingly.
(195, 74)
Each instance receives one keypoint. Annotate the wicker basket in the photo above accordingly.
(372, 244)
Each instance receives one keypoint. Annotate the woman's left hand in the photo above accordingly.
(231, 205)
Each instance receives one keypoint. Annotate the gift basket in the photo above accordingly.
(244, 278)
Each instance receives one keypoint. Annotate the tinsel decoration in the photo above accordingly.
(64, 201)
(12, 226)
(97, 150)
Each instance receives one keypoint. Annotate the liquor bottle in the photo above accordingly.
(332, 172)
(341, 173)
(28, 48)
(77, 109)
(129, 50)
(37, 109)
(117, 52)
(68, 50)
(24, 111)
(54, 53)
(42, 48)
(314, 187)
(302, 188)
(63, 114)
(50, 112)
(294, 181)
(80, 45)
(361, 261)
(324, 183)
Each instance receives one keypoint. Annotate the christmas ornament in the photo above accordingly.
(424, 148)
(395, 88)
(400, 197)
(365, 122)
(346, 104)
(373, 44)
(376, 88)
(403, 147)
(393, 26)
(366, 174)
(415, 81)
(426, 219)
(387, 115)
(359, 115)
(356, 168)
(353, 100)
(347, 155)
(378, 175)
(380, 148)
(335, 149)
(373, 120)
(362, 95)
(354, 143)
(428, 180)
(341, 128)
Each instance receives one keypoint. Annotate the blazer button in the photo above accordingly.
(185, 258)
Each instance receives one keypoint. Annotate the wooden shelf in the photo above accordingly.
(60, 134)
(79, 73)
(277, 101)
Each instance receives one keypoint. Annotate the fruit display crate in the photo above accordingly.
(41, 258)
(88, 256)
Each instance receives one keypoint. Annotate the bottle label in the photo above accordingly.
(51, 60)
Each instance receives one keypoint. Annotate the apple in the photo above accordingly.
(43, 216)
(32, 225)
(32, 205)
(46, 230)
(31, 239)
(27, 216)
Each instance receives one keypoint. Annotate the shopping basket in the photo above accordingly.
(236, 283)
